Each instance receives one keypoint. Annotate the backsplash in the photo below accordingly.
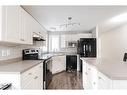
(10, 52)
(69, 50)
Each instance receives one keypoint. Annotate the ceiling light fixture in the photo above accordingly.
(69, 23)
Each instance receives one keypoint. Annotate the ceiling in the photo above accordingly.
(51, 17)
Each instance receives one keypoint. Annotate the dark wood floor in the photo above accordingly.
(66, 80)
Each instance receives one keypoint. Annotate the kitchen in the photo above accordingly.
(39, 50)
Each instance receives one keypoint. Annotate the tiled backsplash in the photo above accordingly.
(9, 52)
(69, 50)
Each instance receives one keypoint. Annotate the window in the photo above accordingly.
(54, 43)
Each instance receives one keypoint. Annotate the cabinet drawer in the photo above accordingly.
(33, 78)
(27, 76)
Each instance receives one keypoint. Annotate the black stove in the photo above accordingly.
(34, 54)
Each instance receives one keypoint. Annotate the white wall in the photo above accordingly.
(114, 43)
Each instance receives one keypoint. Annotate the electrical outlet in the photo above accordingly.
(4, 53)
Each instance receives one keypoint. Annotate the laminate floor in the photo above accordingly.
(66, 80)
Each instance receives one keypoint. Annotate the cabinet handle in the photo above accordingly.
(29, 73)
(86, 73)
(99, 77)
(36, 77)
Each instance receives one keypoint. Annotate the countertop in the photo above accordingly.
(62, 54)
(115, 70)
(19, 66)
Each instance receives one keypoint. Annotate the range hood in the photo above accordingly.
(37, 37)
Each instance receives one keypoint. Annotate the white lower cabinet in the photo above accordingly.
(30, 79)
(89, 76)
(94, 79)
(33, 78)
(58, 63)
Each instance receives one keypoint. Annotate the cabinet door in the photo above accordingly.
(84, 35)
(27, 79)
(84, 75)
(63, 41)
(40, 76)
(62, 60)
(94, 78)
(89, 76)
(22, 26)
(33, 78)
(25, 27)
(58, 64)
(11, 23)
(28, 30)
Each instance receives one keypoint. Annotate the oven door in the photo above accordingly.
(47, 73)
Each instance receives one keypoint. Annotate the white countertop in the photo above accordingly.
(113, 69)
(19, 66)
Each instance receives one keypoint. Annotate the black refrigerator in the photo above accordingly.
(87, 47)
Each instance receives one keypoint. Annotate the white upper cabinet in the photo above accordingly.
(25, 27)
(63, 41)
(84, 35)
(17, 26)
(10, 24)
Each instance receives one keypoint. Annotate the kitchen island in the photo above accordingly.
(104, 74)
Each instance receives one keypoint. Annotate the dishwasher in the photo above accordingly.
(71, 63)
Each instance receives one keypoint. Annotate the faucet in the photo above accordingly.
(125, 57)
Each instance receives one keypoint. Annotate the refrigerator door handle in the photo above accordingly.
(86, 47)
(89, 48)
